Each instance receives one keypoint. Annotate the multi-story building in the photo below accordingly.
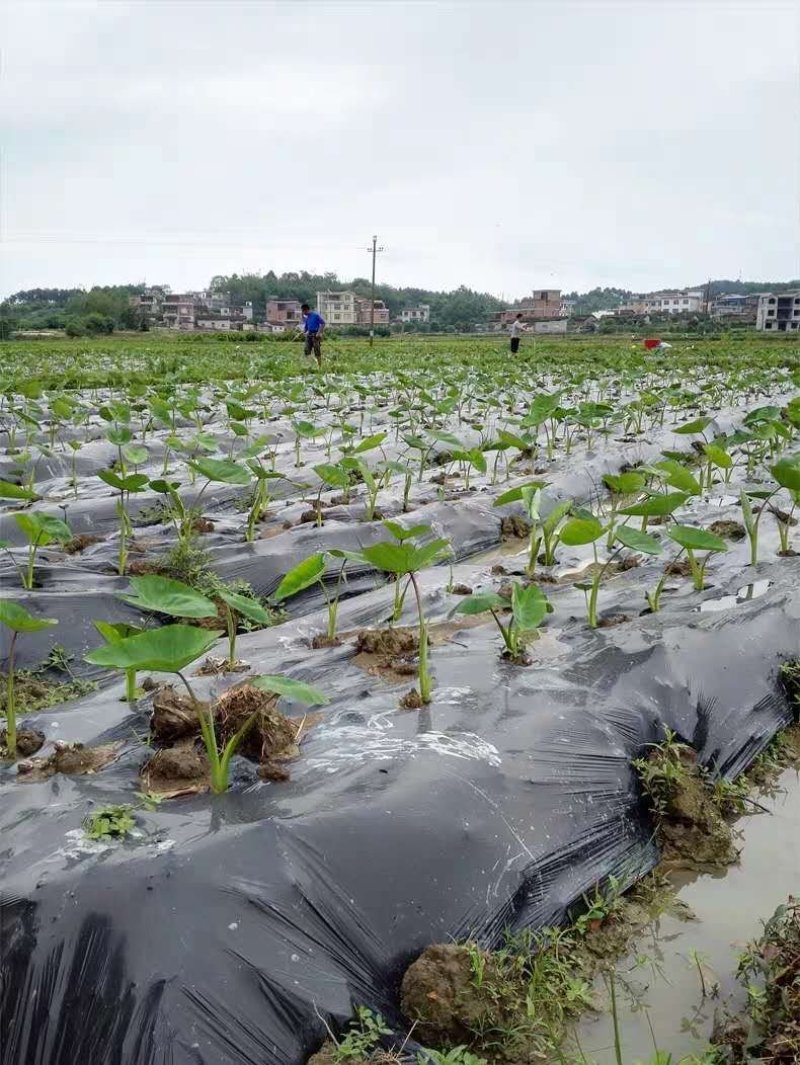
(420, 313)
(380, 313)
(566, 307)
(338, 308)
(741, 306)
(181, 311)
(151, 302)
(778, 312)
(543, 304)
(284, 312)
(672, 302)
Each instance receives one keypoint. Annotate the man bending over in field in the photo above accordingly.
(313, 325)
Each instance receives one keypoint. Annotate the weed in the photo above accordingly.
(111, 822)
(364, 1036)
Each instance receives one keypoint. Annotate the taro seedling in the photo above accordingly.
(236, 606)
(312, 571)
(787, 475)
(17, 619)
(40, 530)
(693, 540)
(529, 607)
(114, 633)
(406, 559)
(125, 484)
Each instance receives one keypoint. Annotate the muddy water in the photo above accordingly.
(729, 911)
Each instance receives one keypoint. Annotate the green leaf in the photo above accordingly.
(512, 440)
(559, 511)
(696, 426)
(480, 603)
(301, 576)
(120, 436)
(400, 532)
(246, 606)
(747, 512)
(349, 556)
(135, 454)
(167, 596)
(294, 689)
(656, 505)
(368, 443)
(676, 475)
(529, 606)
(333, 475)
(695, 539)
(16, 491)
(718, 456)
(636, 540)
(624, 484)
(43, 529)
(134, 482)
(225, 471)
(18, 619)
(787, 473)
(164, 650)
(403, 558)
(113, 632)
(164, 487)
(579, 531)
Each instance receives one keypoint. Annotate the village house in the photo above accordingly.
(778, 312)
(420, 313)
(381, 313)
(542, 305)
(338, 308)
(284, 312)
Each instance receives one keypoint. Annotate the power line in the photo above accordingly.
(373, 251)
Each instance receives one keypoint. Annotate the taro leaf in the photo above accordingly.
(529, 607)
(247, 607)
(333, 475)
(480, 603)
(475, 457)
(696, 426)
(515, 494)
(42, 528)
(509, 439)
(404, 558)
(559, 511)
(348, 556)
(301, 576)
(369, 443)
(305, 428)
(624, 484)
(787, 473)
(293, 689)
(166, 596)
(120, 436)
(113, 632)
(540, 409)
(400, 532)
(636, 540)
(164, 650)
(18, 619)
(676, 475)
(445, 438)
(581, 531)
(694, 539)
(164, 487)
(135, 454)
(718, 456)
(134, 482)
(656, 505)
(16, 491)
(224, 470)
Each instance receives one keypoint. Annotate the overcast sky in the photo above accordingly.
(502, 145)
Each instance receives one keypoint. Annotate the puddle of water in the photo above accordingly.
(730, 909)
(725, 602)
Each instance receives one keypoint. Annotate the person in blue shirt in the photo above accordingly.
(313, 325)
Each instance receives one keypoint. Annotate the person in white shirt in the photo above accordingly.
(517, 327)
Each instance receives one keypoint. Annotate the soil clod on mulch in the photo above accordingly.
(271, 737)
(177, 770)
(80, 542)
(213, 666)
(174, 716)
(321, 640)
(29, 741)
(678, 569)
(71, 758)
(390, 643)
(728, 530)
(203, 526)
(461, 589)
(412, 700)
(610, 620)
(514, 528)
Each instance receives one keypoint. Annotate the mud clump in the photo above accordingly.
(438, 478)
(438, 994)
(389, 643)
(29, 741)
(274, 773)
(174, 716)
(270, 737)
(611, 620)
(461, 589)
(678, 569)
(514, 528)
(183, 767)
(77, 759)
(412, 700)
(319, 641)
(728, 530)
(142, 567)
(80, 542)
(203, 526)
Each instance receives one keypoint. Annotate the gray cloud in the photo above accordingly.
(502, 145)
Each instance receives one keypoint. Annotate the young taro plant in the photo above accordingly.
(787, 475)
(407, 559)
(529, 607)
(40, 530)
(17, 619)
(114, 633)
(691, 540)
(125, 484)
(545, 532)
(312, 571)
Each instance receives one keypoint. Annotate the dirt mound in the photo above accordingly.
(174, 716)
(177, 769)
(514, 528)
(728, 530)
(272, 736)
(389, 643)
(80, 543)
(439, 994)
(29, 741)
(71, 758)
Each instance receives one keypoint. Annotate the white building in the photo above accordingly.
(420, 313)
(338, 308)
(778, 312)
(673, 302)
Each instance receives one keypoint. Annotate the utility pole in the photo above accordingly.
(373, 251)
